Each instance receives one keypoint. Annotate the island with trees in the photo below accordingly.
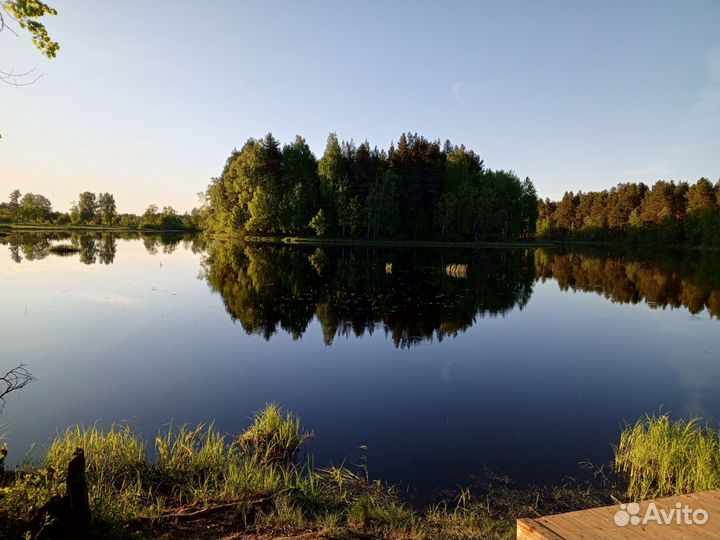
(415, 190)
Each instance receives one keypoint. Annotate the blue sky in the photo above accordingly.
(147, 99)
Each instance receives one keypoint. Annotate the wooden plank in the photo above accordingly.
(531, 529)
(598, 523)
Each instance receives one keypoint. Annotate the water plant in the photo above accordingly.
(660, 456)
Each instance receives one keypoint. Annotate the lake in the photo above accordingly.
(443, 363)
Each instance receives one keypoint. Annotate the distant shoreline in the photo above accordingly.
(90, 228)
(310, 241)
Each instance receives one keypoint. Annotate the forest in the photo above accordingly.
(417, 189)
(92, 209)
(667, 213)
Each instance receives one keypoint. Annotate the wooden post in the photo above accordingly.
(67, 517)
(77, 492)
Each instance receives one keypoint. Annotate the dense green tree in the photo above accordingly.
(383, 210)
(85, 210)
(34, 207)
(300, 186)
(565, 213)
(529, 208)
(700, 196)
(14, 205)
(106, 208)
(334, 190)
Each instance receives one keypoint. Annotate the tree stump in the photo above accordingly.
(68, 517)
(77, 492)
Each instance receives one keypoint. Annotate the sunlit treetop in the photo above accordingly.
(26, 13)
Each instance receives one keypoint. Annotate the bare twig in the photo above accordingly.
(210, 509)
(3, 26)
(15, 379)
(15, 79)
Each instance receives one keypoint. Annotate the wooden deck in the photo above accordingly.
(599, 523)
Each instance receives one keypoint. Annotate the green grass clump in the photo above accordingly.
(662, 457)
(274, 436)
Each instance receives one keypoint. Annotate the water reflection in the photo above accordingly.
(412, 295)
(674, 279)
(416, 295)
(91, 247)
(591, 362)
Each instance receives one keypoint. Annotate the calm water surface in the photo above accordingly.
(444, 363)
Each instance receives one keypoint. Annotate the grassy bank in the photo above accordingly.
(257, 484)
(254, 484)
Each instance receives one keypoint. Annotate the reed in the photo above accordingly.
(660, 456)
(117, 453)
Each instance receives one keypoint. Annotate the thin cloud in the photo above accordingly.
(708, 99)
(105, 150)
(456, 90)
(663, 170)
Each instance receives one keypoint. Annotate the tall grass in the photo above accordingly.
(661, 457)
(118, 453)
(249, 484)
(275, 435)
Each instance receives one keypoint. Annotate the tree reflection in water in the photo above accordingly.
(411, 294)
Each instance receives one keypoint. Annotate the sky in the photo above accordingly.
(147, 99)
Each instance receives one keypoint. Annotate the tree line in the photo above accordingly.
(417, 189)
(93, 209)
(666, 213)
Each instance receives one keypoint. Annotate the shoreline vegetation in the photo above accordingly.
(422, 191)
(666, 213)
(315, 241)
(261, 483)
(7, 228)
(89, 228)
(91, 212)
